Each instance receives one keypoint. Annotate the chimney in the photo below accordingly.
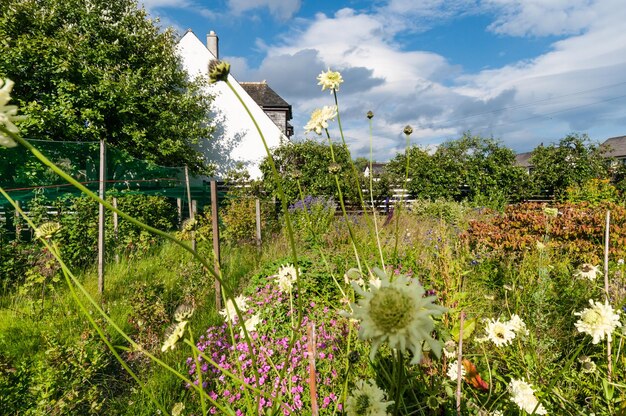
(212, 44)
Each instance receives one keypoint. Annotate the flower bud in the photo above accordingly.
(218, 71)
(408, 130)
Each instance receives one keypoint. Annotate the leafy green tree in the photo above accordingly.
(573, 161)
(86, 70)
(468, 167)
(309, 162)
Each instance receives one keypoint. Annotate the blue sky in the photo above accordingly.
(522, 71)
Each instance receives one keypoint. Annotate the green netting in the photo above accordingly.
(23, 176)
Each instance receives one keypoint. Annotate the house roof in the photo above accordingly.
(266, 97)
(615, 147)
(523, 159)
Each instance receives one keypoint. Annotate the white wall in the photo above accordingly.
(237, 137)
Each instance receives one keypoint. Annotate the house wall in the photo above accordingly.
(279, 118)
(236, 139)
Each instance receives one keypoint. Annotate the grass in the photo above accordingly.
(55, 342)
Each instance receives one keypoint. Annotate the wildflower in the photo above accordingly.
(320, 118)
(588, 367)
(47, 230)
(620, 262)
(523, 396)
(551, 212)
(286, 278)
(183, 312)
(449, 349)
(588, 271)
(500, 333)
(334, 168)
(540, 246)
(408, 130)
(218, 71)
(178, 409)
(229, 313)
(367, 399)
(8, 113)
(517, 325)
(173, 333)
(453, 370)
(598, 321)
(251, 324)
(330, 80)
(190, 224)
(398, 313)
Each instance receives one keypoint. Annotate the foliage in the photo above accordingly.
(440, 209)
(239, 220)
(308, 163)
(577, 231)
(462, 168)
(595, 191)
(573, 161)
(102, 70)
(312, 217)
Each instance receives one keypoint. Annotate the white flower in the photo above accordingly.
(449, 349)
(47, 230)
(517, 325)
(453, 370)
(500, 333)
(522, 395)
(367, 399)
(540, 245)
(178, 409)
(397, 313)
(551, 212)
(588, 271)
(286, 277)
(330, 80)
(320, 118)
(251, 324)
(229, 313)
(173, 333)
(8, 113)
(598, 321)
(183, 312)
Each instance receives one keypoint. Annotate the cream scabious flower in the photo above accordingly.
(367, 399)
(8, 113)
(449, 349)
(500, 333)
(251, 324)
(397, 313)
(229, 313)
(453, 370)
(517, 325)
(330, 80)
(47, 230)
(588, 271)
(523, 396)
(286, 277)
(320, 118)
(173, 333)
(598, 321)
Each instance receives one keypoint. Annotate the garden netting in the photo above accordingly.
(23, 176)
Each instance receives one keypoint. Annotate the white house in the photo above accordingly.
(236, 137)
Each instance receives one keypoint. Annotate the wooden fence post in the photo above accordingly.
(258, 222)
(102, 188)
(179, 210)
(216, 242)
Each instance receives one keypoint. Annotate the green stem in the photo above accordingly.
(371, 175)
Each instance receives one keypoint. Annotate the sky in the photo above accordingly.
(523, 72)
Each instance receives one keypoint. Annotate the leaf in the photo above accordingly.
(473, 378)
(468, 330)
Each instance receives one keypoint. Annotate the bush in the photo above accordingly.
(312, 217)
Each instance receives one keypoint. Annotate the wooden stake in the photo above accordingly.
(102, 188)
(216, 242)
(115, 230)
(258, 222)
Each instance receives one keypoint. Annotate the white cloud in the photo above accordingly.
(542, 17)
(282, 9)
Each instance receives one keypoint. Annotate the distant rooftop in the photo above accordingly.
(523, 159)
(616, 147)
(266, 97)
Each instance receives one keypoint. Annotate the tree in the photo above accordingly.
(468, 167)
(86, 70)
(571, 162)
(308, 162)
